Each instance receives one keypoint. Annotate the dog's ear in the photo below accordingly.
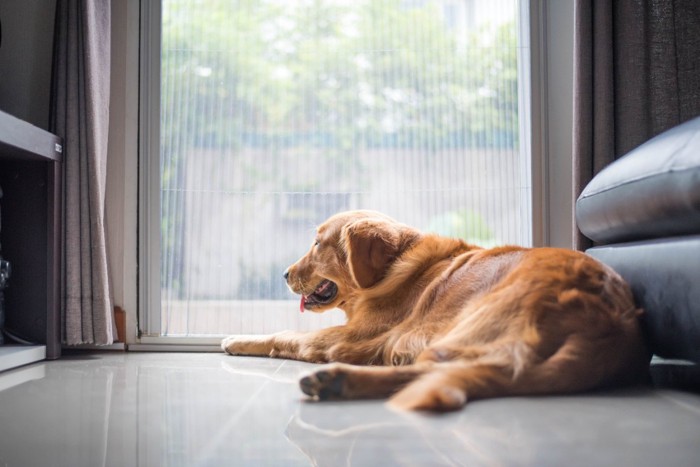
(370, 246)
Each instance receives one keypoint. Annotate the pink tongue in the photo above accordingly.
(303, 302)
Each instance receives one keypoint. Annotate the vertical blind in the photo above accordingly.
(277, 114)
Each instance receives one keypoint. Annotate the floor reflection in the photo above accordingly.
(133, 409)
(607, 428)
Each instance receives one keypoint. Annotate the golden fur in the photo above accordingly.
(441, 320)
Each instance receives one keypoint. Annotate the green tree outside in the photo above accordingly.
(324, 80)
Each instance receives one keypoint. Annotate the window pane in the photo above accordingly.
(277, 114)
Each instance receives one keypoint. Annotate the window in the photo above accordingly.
(263, 118)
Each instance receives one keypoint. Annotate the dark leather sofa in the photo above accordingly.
(643, 213)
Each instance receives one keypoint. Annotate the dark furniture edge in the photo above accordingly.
(22, 140)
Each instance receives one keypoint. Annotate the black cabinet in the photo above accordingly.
(30, 234)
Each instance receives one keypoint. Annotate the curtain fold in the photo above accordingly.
(80, 114)
(636, 74)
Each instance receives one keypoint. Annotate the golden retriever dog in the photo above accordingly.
(434, 321)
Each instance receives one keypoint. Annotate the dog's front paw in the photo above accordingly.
(326, 383)
(246, 345)
(228, 345)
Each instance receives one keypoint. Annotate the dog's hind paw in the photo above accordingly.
(325, 384)
(425, 394)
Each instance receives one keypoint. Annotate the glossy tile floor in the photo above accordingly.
(149, 409)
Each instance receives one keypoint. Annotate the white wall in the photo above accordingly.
(559, 118)
(121, 208)
(25, 59)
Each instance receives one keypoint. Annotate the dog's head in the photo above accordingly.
(352, 251)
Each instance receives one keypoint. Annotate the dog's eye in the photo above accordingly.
(317, 243)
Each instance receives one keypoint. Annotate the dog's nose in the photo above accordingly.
(286, 274)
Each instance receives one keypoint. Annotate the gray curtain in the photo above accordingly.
(637, 73)
(80, 114)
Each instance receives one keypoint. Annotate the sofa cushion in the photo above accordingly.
(652, 192)
(663, 275)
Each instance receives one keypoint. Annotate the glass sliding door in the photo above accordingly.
(272, 116)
